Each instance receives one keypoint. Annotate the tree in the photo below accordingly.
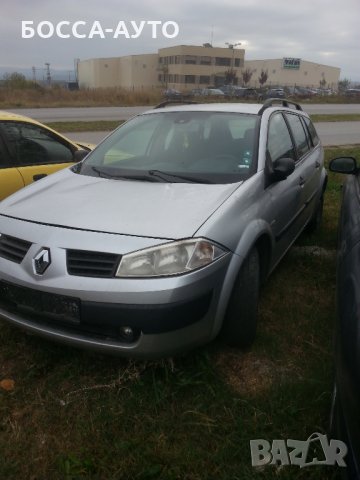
(246, 75)
(322, 83)
(230, 77)
(164, 75)
(263, 77)
(344, 84)
(16, 80)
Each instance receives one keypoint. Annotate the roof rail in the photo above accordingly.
(284, 103)
(174, 102)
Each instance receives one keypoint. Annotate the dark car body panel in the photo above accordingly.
(347, 330)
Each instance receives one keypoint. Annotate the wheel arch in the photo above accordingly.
(258, 235)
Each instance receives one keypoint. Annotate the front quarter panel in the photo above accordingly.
(29, 172)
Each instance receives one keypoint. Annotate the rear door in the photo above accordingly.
(309, 161)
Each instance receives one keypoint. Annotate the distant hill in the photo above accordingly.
(56, 75)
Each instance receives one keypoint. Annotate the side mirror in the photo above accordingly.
(79, 155)
(343, 165)
(282, 168)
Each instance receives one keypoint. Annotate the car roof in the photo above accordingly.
(250, 108)
(246, 108)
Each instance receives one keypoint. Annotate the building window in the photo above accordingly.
(189, 78)
(237, 62)
(177, 59)
(205, 60)
(204, 79)
(222, 61)
(190, 59)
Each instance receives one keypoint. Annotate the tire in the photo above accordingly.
(316, 219)
(240, 323)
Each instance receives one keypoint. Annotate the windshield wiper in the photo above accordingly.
(144, 177)
(166, 175)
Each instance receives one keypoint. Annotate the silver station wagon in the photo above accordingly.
(160, 239)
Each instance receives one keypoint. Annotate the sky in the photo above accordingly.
(315, 30)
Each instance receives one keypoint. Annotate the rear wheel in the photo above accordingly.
(240, 324)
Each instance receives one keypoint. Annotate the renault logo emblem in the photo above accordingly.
(41, 261)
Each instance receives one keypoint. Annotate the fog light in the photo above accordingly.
(127, 334)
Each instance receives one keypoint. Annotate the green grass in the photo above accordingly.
(76, 415)
(84, 126)
(345, 117)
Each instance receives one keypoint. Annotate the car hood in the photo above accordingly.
(158, 210)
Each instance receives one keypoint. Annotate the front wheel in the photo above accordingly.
(240, 323)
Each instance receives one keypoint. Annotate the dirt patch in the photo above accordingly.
(251, 373)
(247, 373)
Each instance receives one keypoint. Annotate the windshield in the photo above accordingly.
(201, 147)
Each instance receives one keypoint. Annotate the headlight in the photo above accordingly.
(169, 259)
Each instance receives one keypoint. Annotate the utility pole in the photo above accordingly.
(48, 75)
(76, 68)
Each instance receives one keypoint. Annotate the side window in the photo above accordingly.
(279, 144)
(33, 145)
(311, 130)
(299, 135)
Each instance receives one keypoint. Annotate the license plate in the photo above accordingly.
(53, 306)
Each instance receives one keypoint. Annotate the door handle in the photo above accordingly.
(39, 176)
(301, 181)
(317, 164)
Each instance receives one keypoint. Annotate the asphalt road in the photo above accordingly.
(330, 133)
(123, 113)
(338, 133)
(80, 114)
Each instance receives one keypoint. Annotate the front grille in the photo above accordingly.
(34, 302)
(83, 263)
(13, 249)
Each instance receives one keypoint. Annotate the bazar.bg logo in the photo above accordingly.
(298, 452)
(82, 29)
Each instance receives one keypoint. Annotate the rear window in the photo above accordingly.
(311, 129)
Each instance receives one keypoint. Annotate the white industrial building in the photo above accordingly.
(185, 67)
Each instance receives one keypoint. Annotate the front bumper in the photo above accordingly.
(167, 315)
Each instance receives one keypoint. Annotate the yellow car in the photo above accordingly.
(30, 151)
